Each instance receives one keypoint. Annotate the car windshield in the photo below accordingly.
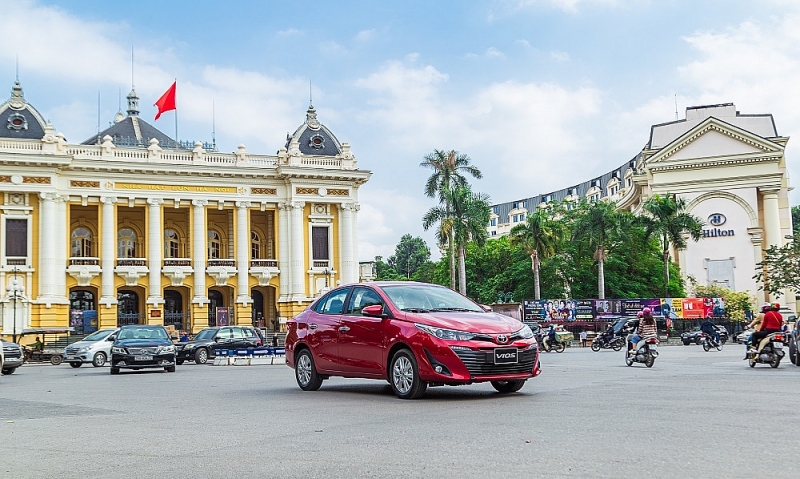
(98, 335)
(205, 334)
(143, 332)
(425, 298)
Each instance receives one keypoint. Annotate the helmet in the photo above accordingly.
(639, 314)
(646, 310)
(765, 307)
(776, 306)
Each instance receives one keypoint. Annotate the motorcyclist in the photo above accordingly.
(551, 336)
(608, 335)
(755, 324)
(772, 322)
(645, 330)
(708, 328)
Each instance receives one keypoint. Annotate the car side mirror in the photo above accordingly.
(375, 311)
(488, 309)
(113, 337)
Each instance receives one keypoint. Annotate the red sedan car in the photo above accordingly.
(410, 334)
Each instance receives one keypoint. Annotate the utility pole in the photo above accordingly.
(14, 288)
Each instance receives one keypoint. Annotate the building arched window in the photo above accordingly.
(255, 245)
(126, 243)
(171, 244)
(214, 245)
(81, 243)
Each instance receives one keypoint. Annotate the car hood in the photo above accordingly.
(84, 344)
(490, 323)
(142, 343)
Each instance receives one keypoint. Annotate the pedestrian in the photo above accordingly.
(275, 340)
(583, 338)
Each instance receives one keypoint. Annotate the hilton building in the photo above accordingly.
(731, 170)
(129, 227)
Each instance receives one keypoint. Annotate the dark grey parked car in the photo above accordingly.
(12, 357)
(794, 347)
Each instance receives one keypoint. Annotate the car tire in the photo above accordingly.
(75, 364)
(201, 356)
(55, 359)
(99, 359)
(306, 372)
(179, 361)
(170, 369)
(7, 371)
(114, 370)
(686, 343)
(506, 387)
(404, 376)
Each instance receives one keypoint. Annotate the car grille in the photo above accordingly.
(11, 353)
(138, 351)
(71, 351)
(480, 363)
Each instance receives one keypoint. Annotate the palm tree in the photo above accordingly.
(467, 219)
(666, 217)
(449, 168)
(599, 223)
(539, 236)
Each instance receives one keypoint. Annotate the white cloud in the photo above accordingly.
(365, 35)
(289, 32)
(560, 57)
(493, 52)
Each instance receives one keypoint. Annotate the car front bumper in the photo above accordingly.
(129, 361)
(12, 362)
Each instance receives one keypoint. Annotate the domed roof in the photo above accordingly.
(131, 130)
(18, 119)
(314, 138)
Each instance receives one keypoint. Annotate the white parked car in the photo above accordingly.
(13, 357)
(94, 348)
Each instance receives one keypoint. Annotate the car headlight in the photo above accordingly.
(83, 349)
(166, 350)
(118, 350)
(525, 332)
(446, 334)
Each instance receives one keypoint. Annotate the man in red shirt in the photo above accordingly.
(772, 322)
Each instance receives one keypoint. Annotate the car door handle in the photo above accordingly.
(344, 329)
(312, 326)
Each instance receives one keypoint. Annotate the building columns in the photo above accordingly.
(155, 241)
(199, 251)
(772, 223)
(756, 239)
(242, 256)
(297, 250)
(283, 251)
(107, 250)
(346, 212)
(48, 243)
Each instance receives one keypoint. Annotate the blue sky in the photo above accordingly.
(541, 94)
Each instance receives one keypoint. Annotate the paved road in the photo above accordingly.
(587, 415)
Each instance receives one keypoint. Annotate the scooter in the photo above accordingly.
(770, 351)
(709, 342)
(558, 346)
(646, 352)
(600, 342)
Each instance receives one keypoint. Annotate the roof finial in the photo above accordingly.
(310, 99)
(17, 70)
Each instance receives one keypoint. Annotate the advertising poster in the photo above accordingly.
(532, 310)
(608, 307)
(714, 307)
(631, 307)
(693, 308)
(89, 322)
(222, 316)
(584, 309)
(560, 309)
(672, 308)
(76, 320)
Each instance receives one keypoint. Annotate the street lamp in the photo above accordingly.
(326, 273)
(14, 288)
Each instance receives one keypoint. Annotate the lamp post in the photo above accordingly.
(14, 288)
(326, 273)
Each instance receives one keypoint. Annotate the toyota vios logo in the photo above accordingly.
(717, 219)
(502, 338)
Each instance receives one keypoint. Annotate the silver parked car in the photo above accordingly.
(12, 357)
(94, 348)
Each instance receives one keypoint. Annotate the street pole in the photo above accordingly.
(14, 289)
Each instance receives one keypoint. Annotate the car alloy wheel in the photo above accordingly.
(404, 376)
(99, 359)
(305, 372)
(201, 356)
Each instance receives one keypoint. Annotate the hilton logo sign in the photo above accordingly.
(716, 220)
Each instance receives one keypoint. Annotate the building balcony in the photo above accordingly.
(177, 269)
(264, 270)
(221, 269)
(16, 261)
(83, 269)
(321, 264)
(131, 269)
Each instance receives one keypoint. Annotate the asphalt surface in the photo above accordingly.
(587, 415)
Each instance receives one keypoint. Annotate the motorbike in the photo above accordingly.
(600, 342)
(558, 346)
(709, 342)
(646, 352)
(771, 351)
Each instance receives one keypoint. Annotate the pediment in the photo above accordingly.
(714, 138)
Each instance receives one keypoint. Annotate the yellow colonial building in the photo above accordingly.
(132, 227)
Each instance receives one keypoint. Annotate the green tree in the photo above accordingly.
(666, 218)
(384, 272)
(736, 302)
(409, 255)
(780, 268)
(448, 171)
(597, 223)
(469, 213)
(539, 236)
(796, 221)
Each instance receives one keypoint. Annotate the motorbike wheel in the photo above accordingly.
(706, 346)
(719, 346)
(752, 362)
(618, 345)
(561, 347)
(628, 359)
(776, 361)
(649, 361)
(595, 347)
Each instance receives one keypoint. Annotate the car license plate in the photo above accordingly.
(143, 358)
(70, 357)
(505, 356)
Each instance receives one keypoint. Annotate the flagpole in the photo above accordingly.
(176, 115)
